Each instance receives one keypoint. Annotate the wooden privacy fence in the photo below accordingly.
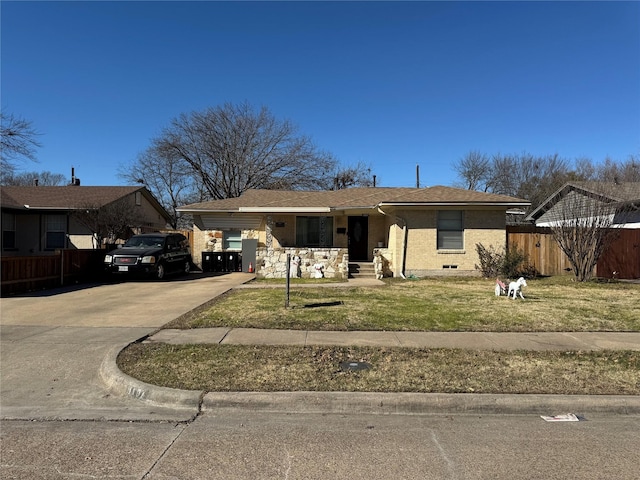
(540, 248)
(620, 260)
(37, 272)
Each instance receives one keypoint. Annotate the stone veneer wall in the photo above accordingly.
(272, 262)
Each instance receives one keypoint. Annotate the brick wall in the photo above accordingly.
(424, 258)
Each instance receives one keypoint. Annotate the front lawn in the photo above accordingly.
(462, 304)
(455, 304)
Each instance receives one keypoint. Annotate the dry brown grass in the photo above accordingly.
(269, 368)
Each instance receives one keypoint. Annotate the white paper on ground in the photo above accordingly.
(567, 417)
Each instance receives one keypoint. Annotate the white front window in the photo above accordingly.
(232, 240)
(450, 230)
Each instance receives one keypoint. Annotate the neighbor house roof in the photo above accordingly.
(70, 197)
(613, 193)
(254, 201)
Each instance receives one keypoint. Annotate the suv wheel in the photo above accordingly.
(187, 267)
(160, 271)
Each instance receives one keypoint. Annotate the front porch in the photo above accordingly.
(314, 242)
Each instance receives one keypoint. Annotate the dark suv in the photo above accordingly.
(151, 254)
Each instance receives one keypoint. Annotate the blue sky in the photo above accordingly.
(390, 84)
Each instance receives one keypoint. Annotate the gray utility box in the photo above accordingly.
(249, 249)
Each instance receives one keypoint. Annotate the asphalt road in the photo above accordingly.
(244, 445)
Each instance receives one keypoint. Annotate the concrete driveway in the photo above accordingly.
(53, 343)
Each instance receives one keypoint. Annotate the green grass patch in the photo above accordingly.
(297, 281)
(432, 304)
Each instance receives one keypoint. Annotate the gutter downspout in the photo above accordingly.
(404, 240)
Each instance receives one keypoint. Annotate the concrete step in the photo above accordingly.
(361, 270)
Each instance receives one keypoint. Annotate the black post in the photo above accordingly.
(288, 271)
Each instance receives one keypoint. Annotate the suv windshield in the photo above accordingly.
(143, 242)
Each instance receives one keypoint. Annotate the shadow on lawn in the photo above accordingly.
(323, 304)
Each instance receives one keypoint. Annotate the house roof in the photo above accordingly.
(69, 197)
(254, 201)
(618, 193)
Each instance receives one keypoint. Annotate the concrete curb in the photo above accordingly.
(120, 383)
(420, 403)
(362, 402)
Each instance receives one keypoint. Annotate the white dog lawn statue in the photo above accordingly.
(319, 270)
(294, 269)
(516, 288)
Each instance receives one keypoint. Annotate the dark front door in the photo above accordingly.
(358, 239)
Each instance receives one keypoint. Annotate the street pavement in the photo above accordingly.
(241, 444)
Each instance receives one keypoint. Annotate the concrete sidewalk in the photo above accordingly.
(386, 403)
(563, 341)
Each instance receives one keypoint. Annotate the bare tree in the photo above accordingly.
(620, 172)
(474, 169)
(528, 176)
(169, 178)
(110, 222)
(583, 170)
(17, 141)
(45, 178)
(519, 175)
(233, 148)
(583, 222)
(358, 175)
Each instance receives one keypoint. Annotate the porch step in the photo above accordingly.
(361, 270)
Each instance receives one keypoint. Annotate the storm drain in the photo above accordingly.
(354, 366)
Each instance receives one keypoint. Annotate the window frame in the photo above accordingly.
(324, 231)
(52, 223)
(453, 233)
(9, 220)
(230, 238)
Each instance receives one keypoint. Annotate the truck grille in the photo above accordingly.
(125, 260)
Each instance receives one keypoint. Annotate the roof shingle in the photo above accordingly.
(366, 197)
(63, 198)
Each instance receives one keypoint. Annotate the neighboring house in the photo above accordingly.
(403, 231)
(41, 219)
(594, 205)
(618, 204)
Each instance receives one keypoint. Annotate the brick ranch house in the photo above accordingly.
(402, 231)
(38, 220)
